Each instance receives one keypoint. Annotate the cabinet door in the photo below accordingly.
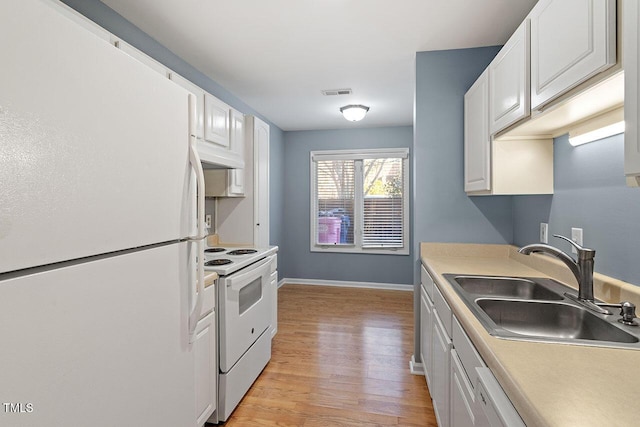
(236, 144)
(441, 371)
(492, 406)
(631, 86)
(571, 41)
(216, 120)
(426, 313)
(199, 93)
(274, 303)
(204, 349)
(477, 143)
(261, 182)
(509, 81)
(462, 397)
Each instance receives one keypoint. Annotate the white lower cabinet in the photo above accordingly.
(462, 397)
(204, 350)
(464, 391)
(441, 365)
(426, 333)
(493, 407)
(274, 296)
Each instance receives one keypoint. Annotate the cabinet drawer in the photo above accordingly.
(466, 352)
(443, 310)
(426, 281)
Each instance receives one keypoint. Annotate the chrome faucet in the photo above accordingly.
(582, 269)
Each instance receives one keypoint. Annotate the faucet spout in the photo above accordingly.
(548, 249)
(582, 269)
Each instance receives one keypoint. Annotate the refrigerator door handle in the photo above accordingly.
(194, 160)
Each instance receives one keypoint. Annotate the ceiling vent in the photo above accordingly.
(334, 92)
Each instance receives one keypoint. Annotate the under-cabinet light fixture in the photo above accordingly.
(603, 126)
(354, 113)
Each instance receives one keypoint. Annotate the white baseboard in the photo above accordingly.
(415, 367)
(346, 284)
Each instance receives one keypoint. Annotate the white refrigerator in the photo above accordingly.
(100, 229)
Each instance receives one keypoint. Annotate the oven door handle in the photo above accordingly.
(238, 281)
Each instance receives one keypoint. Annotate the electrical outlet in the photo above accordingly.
(544, 232)
(207, 220)
(576, 236)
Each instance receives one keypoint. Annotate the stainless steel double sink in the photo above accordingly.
(535, 309)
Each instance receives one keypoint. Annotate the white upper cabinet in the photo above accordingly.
(505, 166)
(631, 43)
(230, 182)
(236, 144)
(213, 118)
(509, 81)
(216, 120)
(477, 143)
(571, 41)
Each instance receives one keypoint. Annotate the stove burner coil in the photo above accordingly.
(214, 250)
(220, 261)
(242, 252)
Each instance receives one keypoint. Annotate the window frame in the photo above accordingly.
(359, 155)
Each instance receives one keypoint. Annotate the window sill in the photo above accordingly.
(355, 250)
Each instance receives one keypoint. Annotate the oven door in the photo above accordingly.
(245, 310)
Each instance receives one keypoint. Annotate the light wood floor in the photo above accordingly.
(340, 358)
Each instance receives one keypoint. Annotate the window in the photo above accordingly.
(359, 201)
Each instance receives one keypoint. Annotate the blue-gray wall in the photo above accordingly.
(442, 210)
(116, 24)
(298, 260)
(589, 193)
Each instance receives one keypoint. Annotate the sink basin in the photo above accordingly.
(552, 320)
(536, 309)
(506, 287)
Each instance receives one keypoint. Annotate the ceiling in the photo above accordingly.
(278, 55)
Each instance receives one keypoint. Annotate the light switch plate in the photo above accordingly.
(576, 236)
(207, 220)
(544, 232)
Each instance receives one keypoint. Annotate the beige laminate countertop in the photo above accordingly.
(210, 278)
(549, 384)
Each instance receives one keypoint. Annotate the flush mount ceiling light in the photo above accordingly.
(354, 113)
(603, 126)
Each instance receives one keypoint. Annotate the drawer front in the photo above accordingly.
(426, 281)
(467, 353)
(443, 309)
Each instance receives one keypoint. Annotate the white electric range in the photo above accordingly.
(226, 260)
(244, 307)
